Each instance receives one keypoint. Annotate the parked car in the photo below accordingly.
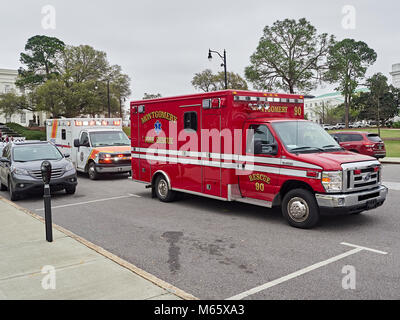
(20, 168)
(327, 126)
(361, 142)
(339, 126)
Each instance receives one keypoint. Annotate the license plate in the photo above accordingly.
(371, 204)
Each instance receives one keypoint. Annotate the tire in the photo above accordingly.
(3, 187)
(162, 190)
(93, 175)
(70, 190)
(300, 209)
(14, 196)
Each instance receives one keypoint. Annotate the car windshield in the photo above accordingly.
(109, 138)
(304, 136)
(36, 152)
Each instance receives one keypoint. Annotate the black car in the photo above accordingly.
(20, 165)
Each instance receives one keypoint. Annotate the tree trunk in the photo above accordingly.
(347, 111)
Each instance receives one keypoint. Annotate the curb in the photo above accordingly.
(161, 283)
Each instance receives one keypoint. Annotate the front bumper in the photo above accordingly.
(352, 202)
(26, 184)
(113, 168)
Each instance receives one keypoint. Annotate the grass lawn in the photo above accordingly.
(127, 131)
(392, 149)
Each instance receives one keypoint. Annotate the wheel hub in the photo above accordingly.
(298, 209)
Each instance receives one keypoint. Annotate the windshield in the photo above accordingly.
(109, 138)
(304, 136)
(36, 152)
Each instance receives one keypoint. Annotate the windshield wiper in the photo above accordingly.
(120, 144)
(305, 148)
(332, 146)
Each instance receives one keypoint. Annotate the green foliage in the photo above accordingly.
(68, 81)
(40, 59)
(207, 81)
(27, 133)
(348, 61)
(396, 125)
(11, 103)
(290, 56)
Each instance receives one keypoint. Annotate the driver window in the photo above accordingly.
(84, 138)
(259, 140)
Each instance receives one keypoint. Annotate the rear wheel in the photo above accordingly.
(93, 175)
(300, 208)
(162, 190)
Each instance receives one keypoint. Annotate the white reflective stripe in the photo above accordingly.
(224, 156)
(217, 164)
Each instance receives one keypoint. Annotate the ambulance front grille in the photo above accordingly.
(55, 173)
(361, 178)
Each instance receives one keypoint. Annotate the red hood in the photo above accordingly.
(331, 160)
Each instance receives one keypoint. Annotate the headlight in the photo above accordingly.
(332, 181)
(21, 172)
(69, 166)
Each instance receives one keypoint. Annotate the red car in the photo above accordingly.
(361, 142)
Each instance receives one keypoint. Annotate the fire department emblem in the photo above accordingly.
(157, 127)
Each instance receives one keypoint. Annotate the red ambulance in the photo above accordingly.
(250, 147)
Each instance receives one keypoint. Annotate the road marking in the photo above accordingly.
(92, 201)
(304, 271)
(392, 185)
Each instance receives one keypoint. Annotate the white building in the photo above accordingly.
(313, 108)
(396, 75)
(26, 117)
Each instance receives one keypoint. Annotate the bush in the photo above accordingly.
(396, 125)
(27, 133)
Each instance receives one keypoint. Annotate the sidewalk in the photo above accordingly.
(390, 160)
(82, 270)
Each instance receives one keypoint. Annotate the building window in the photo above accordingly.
(23, 117)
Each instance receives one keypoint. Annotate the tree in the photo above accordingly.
(148, 96)
(11, 103)
(204, 81)
(378, 87)
(207, 81)
(290, 56)
(40, 56)
(348, 61)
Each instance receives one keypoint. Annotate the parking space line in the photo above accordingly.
(92, 201)
(304, 271)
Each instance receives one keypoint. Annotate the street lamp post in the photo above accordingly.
(108, 98)
(222, 65)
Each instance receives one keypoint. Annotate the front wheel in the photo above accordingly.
(300, 209)
(162, 190)
(14, 196)
(93, 175)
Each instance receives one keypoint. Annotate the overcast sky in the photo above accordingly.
(162, 44)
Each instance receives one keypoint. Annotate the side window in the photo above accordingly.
(190, 121)
(63, 134)
(260, 140)
(84, 138)
(355, 137)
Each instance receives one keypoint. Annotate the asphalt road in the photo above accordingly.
(217, 250)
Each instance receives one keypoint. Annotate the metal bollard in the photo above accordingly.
(46, 176)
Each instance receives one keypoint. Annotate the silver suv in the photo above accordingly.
(20, 169)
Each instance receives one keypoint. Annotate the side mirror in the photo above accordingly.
(67, 155)
(4, 160)
(76, 143)
(336, 139)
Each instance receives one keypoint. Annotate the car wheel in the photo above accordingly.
(93, 175)
(14, 196)
(162, 190)
(300, 209)
(3, 187)
(70, 190)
